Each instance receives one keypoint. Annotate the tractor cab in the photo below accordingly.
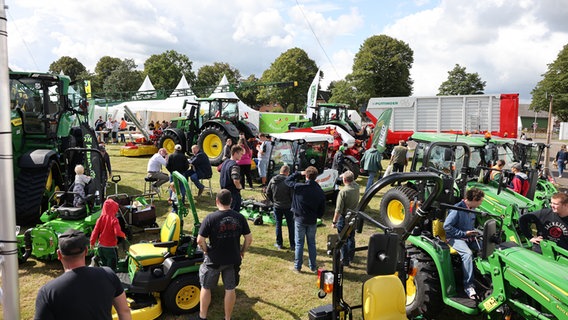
(335, 113)
(219, 108)
(300, 150)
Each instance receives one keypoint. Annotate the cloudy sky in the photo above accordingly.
(508, 42)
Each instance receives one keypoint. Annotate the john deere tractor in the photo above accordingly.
(209, 124)
(46, 120)
(512, 281)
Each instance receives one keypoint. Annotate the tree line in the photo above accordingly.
(381, 68)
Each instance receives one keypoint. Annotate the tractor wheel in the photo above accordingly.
(168, 141)
(182, 295)
(212, 141)
(396, 207)
(351, 166)
(34, 187)
(423, 291)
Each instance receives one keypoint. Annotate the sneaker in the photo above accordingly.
(279, 246)
(470, 292)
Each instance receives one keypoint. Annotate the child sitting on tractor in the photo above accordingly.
(79, 186)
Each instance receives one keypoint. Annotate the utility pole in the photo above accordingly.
(548, 134)
(10, 297)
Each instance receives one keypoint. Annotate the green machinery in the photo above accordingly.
(164, 274)
(44, 110)
(209, 124)
(512, 281)
(336, 114)
(41, 241)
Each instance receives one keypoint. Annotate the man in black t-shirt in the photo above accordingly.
(81, 292)
(551, 223)
(230, 177)
(224, 253)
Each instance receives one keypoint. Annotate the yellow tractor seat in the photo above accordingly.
(438, 231)
(147, 254)
(384, 298)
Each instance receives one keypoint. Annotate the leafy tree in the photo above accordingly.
(70, 67)
(123, 78)
(381, 68)
(103, 70)
(292, 65)
(553, 84)
(461, 83)
(248, 94)
(209, 76)
(165, 69)
(343, 91)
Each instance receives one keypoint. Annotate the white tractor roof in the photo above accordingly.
(307, 136)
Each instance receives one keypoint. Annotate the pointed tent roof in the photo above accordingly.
(182, 89)
(146, 85)
(223, 85)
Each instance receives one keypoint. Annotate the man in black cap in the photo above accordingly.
(81, 292)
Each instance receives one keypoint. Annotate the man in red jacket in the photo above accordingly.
(520, 182)
(107, 230)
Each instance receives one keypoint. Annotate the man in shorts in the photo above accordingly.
(223, 254)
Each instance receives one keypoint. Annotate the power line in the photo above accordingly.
(317, 39)
(23, 40)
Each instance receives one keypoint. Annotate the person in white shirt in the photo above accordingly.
(155, 169)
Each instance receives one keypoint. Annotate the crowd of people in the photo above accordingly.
(296, 198)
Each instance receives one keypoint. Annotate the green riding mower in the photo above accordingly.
(164, 275)
(41, 241)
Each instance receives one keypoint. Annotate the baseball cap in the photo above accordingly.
(517, 166)
(72, 242)
(177, 147)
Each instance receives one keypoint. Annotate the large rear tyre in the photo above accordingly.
(168, 141)
(212, 141)
(34, 187)
(396, 207)
(423, 291)
(182, 295)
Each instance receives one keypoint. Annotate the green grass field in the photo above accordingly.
(268, 288)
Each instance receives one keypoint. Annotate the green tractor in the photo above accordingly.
(512, 280)
(460, 161)
(41, 241)
(164, 274)
(527, 153)
(209, 124)
(43, 114)
(336, 114)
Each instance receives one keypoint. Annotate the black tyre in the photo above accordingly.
(351, 166)
(34, 187)
(396, 207)
(182, 295)
(211, 141)
(423, 291)
(168, 141)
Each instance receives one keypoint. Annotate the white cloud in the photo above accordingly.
(509, 43)
(506, 42)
